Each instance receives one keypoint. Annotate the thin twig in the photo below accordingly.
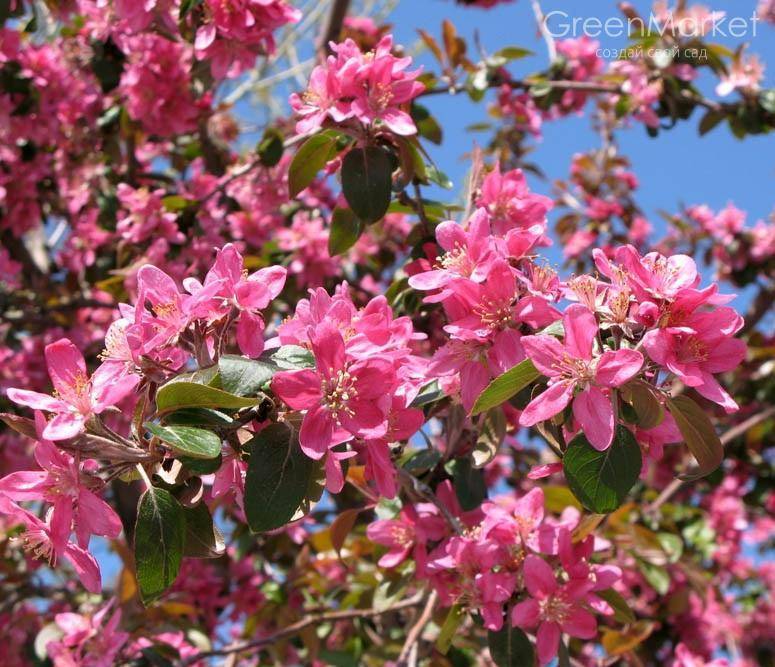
(299, 626)
(414, 634)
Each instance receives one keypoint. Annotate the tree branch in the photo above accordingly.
(333, 26)
(307, 621)
(414, 634)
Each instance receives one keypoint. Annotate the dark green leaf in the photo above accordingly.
(198, 417)
(344, 232)
(468, 482)
(270, 148)
(243, 376)
(197, 443)
(767, 100)
(699, 435)
(710, 120)
(277, 480)
(311, 157)
(201, 466)
(160, 534)
(601, 480)
(505, 386)
(367, 182)
(428, 394)
(427, 125)
(203, 539)
(422, 461)
(510, 647)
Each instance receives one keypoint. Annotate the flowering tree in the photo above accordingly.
(316, 412)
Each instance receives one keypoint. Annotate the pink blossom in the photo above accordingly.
(235, 32)
(371, 87)
(69, 487)
(512, 206)
(553, 608)
(745, 74)
(343, 397)
(247, 293)
(701, 346)
(87, 641)
(572, 365)
(468, 254)
(39, 538)
(414, 527)
(78, 396)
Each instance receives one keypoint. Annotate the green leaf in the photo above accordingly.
(455, 617)
(601, 480)
(430, 393)
(344, 232)
(505, 386)
(201, 466)
(243, 376)
(710, 120)
(510, 647)
(438, 177)
(427, 125)
(203, 539)
(468, 482)
(421, 461)
(513, 52)
(293, 357)
(490, 437)
(622, 611)
(197, 443)
(658, 577)
(648, 410)
(367, 181)
(277, 480)
(198, 417)
(699, 435)
(160, 534)
(311, 157)
(270, 148)
(178, 394)
(175, 203)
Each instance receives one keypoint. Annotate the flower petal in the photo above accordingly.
(595, 414)
(547, 404)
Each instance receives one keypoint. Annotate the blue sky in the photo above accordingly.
(677, 167)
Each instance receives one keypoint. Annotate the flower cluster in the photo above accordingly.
(501, 562)
(363, 382)
(371, 88)
(493, 295)
(233, 34)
